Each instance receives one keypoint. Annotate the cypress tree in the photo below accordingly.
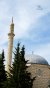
(25, 77)
(19, 76)
(13, 80)
(2, 70)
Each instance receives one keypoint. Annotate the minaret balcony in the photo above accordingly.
(11, 34)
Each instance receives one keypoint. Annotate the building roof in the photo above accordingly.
(36, 59)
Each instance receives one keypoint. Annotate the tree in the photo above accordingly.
(25, 77)
(19, 76)
(2, 70)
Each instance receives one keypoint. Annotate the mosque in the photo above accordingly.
(38, 66)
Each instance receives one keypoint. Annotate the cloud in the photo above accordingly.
(25, 14)
(26, 20)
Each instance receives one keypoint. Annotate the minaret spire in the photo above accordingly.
(12, 20)
(10, 46)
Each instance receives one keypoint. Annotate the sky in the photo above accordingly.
(31, 25)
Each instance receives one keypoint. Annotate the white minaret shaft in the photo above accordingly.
(10, 46)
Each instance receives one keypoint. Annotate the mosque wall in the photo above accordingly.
(42, 73)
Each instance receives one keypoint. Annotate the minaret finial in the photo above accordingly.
(12, 19)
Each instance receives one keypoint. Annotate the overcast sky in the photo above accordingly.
(32, 25)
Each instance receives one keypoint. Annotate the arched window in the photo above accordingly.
(39, 72)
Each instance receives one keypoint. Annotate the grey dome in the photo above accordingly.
(36, 59)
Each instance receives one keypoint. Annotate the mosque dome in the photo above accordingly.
(36, 59)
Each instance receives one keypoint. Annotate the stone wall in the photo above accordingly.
(42, 73)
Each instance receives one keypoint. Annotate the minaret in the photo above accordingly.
(10, 46)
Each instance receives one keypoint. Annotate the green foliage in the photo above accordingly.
(2, 70)
(19, 77)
